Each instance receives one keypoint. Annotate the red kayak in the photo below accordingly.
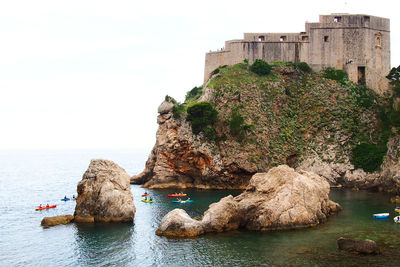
(45, 207)
(177, 195)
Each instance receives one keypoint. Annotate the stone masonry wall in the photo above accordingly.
(358, 44)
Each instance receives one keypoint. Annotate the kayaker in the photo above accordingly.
(65, 197)
(145, 198)
(40, 205)
(73, 196)
(47, 205)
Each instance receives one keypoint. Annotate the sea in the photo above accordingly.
(32, 177)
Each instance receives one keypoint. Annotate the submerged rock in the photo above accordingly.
(104, 194)
(358, 246)
(279, 199)
(56, 220)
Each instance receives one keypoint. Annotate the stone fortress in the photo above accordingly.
(357, 44)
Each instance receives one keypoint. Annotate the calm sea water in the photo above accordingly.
(30, 178)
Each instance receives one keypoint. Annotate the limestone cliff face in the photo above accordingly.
(180, 159)
(345, 174)
(289, 117)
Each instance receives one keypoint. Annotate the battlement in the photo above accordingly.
(356, 43)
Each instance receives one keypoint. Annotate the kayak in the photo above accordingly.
(397, 209)
(381, 215)
(147, 201)
(66, 199)
(45, 208)
(177, 195)
(182, 201)
(145, 195)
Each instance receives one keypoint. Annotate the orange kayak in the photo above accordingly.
(45, 208)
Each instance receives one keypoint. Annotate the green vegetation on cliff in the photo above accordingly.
(289, 112)
(203, 116)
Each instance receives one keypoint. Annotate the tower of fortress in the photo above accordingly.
(357, 44)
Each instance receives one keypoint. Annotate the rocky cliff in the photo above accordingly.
(291, 116)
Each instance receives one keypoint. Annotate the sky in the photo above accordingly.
(91, 74)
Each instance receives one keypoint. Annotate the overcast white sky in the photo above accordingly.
(91, 74)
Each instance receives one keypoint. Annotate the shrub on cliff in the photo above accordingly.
(304, 67)
(334, 74)
(395, 117)
(369, 157)
(260, 67)
(237, 127)
(193, 94)
(394, 79)
(203, 116)
(178, 110)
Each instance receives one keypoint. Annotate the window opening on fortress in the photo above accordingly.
(337, 19)
(366, 19)
(378, 41)
(361, 75)
(282, 38)
(326, 38)
(261, 38)
(304, 38)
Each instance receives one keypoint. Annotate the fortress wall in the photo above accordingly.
(378, 63)
(326, 49)
(304, 48)
(241, 50)
(342, 41)
(354, 42)
(214, 60)
(272, 37)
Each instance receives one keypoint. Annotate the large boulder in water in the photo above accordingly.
(104, 194)
(178, 223)
(279, 199)
(358, 246)
(222, 216)
(284, 198)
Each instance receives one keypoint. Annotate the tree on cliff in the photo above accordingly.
(394, 77)
(203, 116)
